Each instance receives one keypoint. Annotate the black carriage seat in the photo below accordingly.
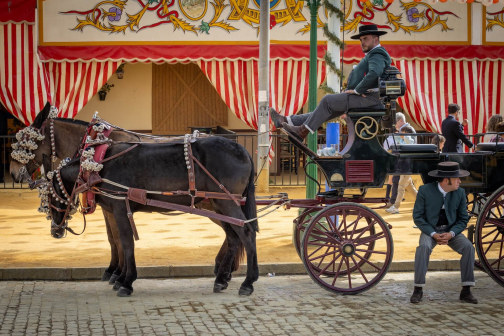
(376, 108)
(490, 147)
(415, 148)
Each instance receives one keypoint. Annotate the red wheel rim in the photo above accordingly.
(490, 236)
(351, 256)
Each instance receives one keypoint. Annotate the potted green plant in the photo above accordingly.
(104, 90)
(120, 71)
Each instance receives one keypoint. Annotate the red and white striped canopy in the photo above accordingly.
(22, 79)
(476, 86)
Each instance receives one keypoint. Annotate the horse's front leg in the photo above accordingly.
(129, 272)
(118, 245)
(114, 256)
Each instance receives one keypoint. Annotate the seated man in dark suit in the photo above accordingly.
(453, 131)
(440, 212)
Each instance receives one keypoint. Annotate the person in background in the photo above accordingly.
(3, 131)
(439, 140)
(405, 181)
(496, 137)
(440, 212)
(453, 131)
(393, 182)
(490, 127)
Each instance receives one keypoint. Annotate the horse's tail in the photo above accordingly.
(250, 207)
(250, 211)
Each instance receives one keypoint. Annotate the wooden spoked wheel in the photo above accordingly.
(489, 236)
(349, 255)
(300, 224)
(475, 203)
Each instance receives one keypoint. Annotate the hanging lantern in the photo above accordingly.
(443, 1)
(470, 1)
(389, 1)
(495, 1)
(417, 0)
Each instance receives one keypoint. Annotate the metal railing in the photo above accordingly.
(286, 169)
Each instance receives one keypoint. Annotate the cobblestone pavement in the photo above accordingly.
(287, 305)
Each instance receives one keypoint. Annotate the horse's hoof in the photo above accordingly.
(106, 276)
(218, 288)
(124, 292)
(230, 276)
(113, 279)
(117, 285)
(245, 291)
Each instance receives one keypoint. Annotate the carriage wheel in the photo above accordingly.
(351, 257)
(489, 236)
(300, 224)
(475, 205)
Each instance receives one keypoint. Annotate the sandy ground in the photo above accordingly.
(164, 240)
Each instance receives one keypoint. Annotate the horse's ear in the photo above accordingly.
(42, 116)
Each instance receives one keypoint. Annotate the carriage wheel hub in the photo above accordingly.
(348, 250)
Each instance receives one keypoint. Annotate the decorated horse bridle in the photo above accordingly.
(27, 142)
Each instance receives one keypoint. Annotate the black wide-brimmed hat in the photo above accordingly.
(448, 169)
(371, 29)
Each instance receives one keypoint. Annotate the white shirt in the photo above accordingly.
(379, 45)
(442, 192)
(444, 196)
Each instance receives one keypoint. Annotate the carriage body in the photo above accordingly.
(364, 163)
(331, 222)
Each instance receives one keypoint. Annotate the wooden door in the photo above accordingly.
(182, 96)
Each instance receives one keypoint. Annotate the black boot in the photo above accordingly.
(277, 118)
(299, 132)
(417, 295)
(466, 296)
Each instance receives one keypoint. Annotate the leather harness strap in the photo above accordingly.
(119, 154)
(215, 180)
(190, 168)
(130, 217)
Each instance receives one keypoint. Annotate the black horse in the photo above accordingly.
(162, 167)
(68, 137)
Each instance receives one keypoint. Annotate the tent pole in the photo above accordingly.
(263, 142)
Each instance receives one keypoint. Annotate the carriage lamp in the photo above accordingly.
(391, 86)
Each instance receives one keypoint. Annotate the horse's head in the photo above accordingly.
(32, 144)
(57, 198)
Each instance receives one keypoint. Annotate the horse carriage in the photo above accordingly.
(345, 246)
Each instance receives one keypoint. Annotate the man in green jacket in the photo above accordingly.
(362, 90)
(440, 212)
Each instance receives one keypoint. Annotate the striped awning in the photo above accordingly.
(475, 85)
(22, 79)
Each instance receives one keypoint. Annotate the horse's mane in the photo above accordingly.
(73, 121)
